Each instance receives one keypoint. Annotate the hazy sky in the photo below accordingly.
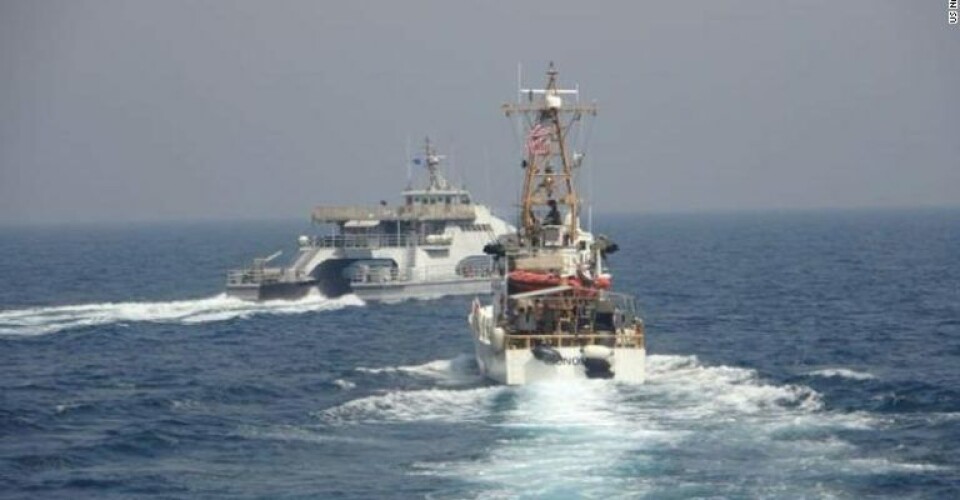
(145, 110)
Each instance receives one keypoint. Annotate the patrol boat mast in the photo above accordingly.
(552, 315)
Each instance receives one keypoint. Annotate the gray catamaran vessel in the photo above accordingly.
(431, 245)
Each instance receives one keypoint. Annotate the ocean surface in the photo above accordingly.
(791, 355)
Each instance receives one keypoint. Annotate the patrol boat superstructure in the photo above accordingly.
(430, 245)
(552, 314)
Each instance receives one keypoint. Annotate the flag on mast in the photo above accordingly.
(538, 141)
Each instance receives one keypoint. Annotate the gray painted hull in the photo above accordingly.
(271, 291)
(422, 289)
(392, 291)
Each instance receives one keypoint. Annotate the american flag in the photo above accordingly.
(538, 141)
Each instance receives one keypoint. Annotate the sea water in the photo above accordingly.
(789, 355)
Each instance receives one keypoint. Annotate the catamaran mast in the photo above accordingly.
(432, 161)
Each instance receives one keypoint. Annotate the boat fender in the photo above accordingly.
(597, 368)
(547, 354)
(597, 360)
(497, 338)
(599, 352)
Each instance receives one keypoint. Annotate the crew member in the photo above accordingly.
(553, 216)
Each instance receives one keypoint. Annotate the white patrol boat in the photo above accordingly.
(430, 245)
(552, 313)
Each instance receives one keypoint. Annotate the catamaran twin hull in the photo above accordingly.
(390, 291)
(272, 291)
(429, 245)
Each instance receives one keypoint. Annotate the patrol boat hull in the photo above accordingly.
(510, 359)
(552, 315)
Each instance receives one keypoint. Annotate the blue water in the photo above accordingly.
(791, 355)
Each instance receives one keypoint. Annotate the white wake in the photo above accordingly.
(691, 430)
(843, 373)
(446, 372)
(45, 320)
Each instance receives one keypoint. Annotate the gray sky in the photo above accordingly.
(127, 110)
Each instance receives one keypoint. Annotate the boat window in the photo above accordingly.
(465, 199)
(447, 200)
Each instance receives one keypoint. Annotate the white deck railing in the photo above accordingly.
(429, 273)
(376, 241)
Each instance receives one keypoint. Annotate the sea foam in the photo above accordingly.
(843, 373)
(624, 434)
(45, 320)
(460, 370)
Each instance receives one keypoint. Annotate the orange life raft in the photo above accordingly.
(528, 281)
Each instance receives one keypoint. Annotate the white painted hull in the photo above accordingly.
(392, 291)
(519, 366)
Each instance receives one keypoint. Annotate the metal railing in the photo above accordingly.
(429, 273)
(583, 312)
(405, 212)
(254, 276)
(265, 275)
(377, 241)
(628, 337)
